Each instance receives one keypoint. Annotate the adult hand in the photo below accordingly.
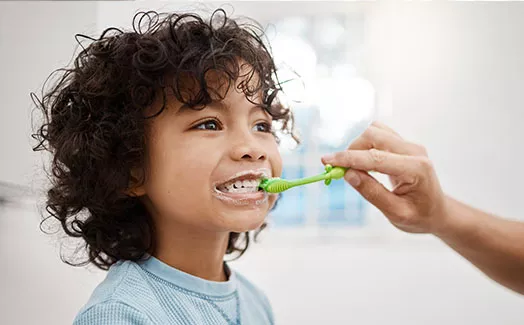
(416, 203)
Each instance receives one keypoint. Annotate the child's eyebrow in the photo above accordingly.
(219, 105)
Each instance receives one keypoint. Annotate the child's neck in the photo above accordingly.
(193, 251)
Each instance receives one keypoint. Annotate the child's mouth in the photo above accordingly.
(240, 186)
(243, 189)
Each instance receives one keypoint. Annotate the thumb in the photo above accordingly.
(372, 190)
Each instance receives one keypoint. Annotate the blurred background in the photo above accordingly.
(448, 75)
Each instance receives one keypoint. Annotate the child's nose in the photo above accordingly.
(249, 151)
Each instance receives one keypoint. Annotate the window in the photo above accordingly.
(321, 58)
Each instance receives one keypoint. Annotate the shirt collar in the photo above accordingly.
(188, 281)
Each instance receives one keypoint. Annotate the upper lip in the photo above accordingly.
(251, 173)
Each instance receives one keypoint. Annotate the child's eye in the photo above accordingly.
(263, 127)
(212, 125)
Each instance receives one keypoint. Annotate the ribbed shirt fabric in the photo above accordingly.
(152, 292)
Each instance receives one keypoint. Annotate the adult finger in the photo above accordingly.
(375, 137)
(376, 160)
(383, 126)
(373, 191)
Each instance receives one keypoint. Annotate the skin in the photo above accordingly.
(189, 152)
(417, 204)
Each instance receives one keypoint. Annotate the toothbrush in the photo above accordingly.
(277, 184)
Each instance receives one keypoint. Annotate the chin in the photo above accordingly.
(242, 221)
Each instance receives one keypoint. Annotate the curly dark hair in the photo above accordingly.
(94, 119)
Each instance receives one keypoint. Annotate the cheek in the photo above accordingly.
(276, 161)
(179, 178)
(271, 201)
(179, 194)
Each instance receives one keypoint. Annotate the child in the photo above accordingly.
(159, 138)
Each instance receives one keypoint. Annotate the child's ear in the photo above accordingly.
(136, 185)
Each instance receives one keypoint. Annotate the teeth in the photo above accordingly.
(243, 190)
(233, 189)
(238, 184)
(250, 183)
(245, 186)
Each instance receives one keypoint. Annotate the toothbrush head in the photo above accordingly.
(274, 185)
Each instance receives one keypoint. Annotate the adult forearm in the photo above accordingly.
(493, 244)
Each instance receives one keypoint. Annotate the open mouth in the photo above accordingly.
(245, 182)
(242, 184)
(243, 189)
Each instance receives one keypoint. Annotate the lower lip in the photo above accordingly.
(242, 199)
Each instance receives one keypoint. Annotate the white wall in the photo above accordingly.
(35, 39)
(449, 76)
(455, 72)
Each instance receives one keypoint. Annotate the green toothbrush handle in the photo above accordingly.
(330, 173)
(277, 185)
(334, 173)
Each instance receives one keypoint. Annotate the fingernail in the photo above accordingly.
(328, 157)
(352, 178)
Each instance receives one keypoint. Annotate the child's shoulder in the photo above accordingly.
(121, 277)
(249, 286)
(253, 293)
(123, 294)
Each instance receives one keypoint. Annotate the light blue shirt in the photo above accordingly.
(152, 292)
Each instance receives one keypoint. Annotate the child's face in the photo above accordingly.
(193, 153)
